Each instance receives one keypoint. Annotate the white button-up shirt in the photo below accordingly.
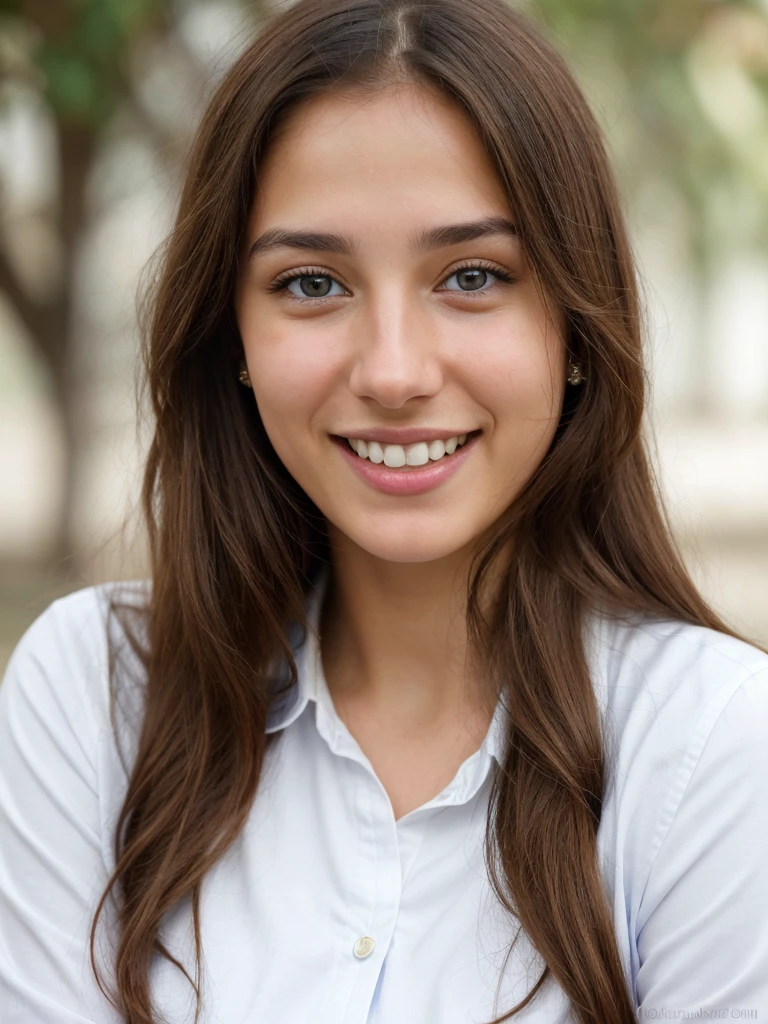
(328, 911)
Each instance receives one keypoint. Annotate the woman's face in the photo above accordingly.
(386, 330)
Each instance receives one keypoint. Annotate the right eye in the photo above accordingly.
(316, 284)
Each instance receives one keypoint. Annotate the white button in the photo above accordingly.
(363, 946)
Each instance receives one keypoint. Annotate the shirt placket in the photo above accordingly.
(373, 886)
(385, 850)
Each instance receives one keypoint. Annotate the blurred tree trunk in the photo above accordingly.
(50, 326)
(78, 56)
(58, 343)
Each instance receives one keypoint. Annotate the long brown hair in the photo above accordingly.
(235, 543)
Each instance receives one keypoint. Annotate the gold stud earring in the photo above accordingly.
(575, 376)
(243, 375)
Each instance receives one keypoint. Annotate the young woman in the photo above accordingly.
(420, 719)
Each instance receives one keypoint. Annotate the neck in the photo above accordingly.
(394, 640)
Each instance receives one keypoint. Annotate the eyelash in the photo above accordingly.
(281, 283)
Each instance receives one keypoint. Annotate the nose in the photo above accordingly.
(397, 355)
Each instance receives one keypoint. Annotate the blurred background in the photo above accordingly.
(98, 100)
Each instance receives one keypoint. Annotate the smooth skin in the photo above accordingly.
(394, 337)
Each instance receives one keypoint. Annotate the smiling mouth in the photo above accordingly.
(380, 464)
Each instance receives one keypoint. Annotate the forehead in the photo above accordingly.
(401, 152)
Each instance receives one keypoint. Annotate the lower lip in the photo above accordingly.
(413, 480)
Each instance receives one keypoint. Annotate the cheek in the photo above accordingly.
(519, 374)
(290, 382)
(521, 382)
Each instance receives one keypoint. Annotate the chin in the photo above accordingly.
(405, 544)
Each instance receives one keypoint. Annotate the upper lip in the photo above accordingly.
(404, 435)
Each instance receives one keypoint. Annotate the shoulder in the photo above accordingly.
(62, 659)
(651, 672)
(685, 711)
(74, 627)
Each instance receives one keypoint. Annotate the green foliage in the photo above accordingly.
(648, 65)
(83, 47)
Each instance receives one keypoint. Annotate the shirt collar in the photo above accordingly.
(311, 686)
(292, 702)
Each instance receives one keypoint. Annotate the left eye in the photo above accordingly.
(473, 275)
(476, 277)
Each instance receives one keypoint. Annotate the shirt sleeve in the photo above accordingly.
(52, 872)
(702, 936)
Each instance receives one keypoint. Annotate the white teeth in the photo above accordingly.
(394, 455)
(375, 452)
(436, 450)
(397, 455)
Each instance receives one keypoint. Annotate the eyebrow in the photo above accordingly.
(418, 244)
